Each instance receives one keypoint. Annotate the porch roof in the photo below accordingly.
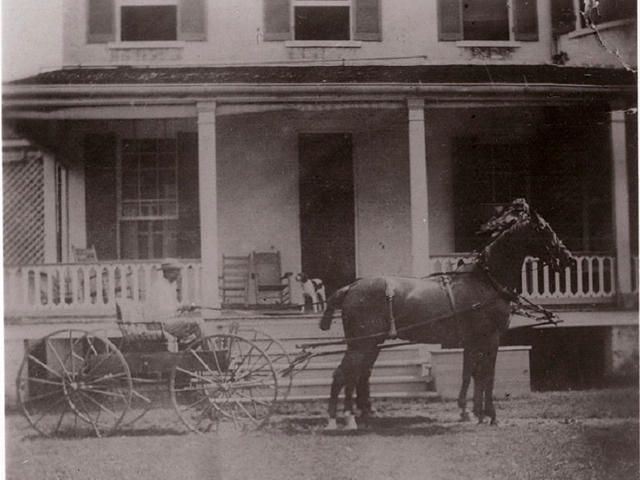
(368, 74)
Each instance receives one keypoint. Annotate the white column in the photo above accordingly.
(208, 191)
(621, 207)
(420, 263)
(49, 182)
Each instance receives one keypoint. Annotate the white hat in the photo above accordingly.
(170, 264)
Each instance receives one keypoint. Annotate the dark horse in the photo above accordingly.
(469, 306)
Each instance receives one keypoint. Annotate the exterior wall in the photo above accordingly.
(235, 35)
(622, 351)
(615, 47)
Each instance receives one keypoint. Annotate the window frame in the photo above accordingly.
(582, 29)
(321, 3)
(515, 39)
(141, 219)
(145, 3)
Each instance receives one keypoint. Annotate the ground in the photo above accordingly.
(555, 435)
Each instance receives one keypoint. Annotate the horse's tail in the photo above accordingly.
(333, 303)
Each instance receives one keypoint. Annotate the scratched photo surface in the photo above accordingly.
(350, 239)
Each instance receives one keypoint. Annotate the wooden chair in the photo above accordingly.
(272, 288)
(234, 282)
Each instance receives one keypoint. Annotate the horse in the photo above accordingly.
(469, 306)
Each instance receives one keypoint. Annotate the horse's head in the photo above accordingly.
(542, 242)
(552, 251)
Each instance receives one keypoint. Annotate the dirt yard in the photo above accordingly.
(564, 435)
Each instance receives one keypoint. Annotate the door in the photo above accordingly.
(327, 208)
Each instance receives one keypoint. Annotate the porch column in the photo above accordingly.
(621, 208)
(208, 191)
(420, 263)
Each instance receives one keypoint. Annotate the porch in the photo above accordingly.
(92, 289)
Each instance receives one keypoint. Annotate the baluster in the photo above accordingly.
(612, 277)
(73, 286)
(600, 261)
(567, 283)
(535, 287)
(590, 290)
(546, 280)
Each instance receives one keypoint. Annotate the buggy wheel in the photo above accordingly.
(73, 382)
(223, 380)
(278, 355)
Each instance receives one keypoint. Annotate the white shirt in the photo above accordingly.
(161, 303)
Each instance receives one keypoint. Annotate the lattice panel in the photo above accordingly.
(23, 210)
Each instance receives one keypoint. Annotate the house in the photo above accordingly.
(354, 137)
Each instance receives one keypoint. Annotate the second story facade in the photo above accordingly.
(272, 32)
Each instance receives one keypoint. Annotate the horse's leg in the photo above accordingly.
(466, 380)
(363, 389)
(353, 362)
(489, 373)
(336, 386)
(475, 365)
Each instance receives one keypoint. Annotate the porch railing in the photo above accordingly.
(591, 280)
(88, 288)
(93, 289)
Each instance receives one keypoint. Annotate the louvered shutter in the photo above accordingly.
(277, 21)
(525, 17)
(563, 17)
(367, 20)
(101, 21)
(193, 20)
(189, 210)
(449, 20)
(100, 193)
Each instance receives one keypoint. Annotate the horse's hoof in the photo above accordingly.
(464, 417)
(350, 422)
(494, 422)
(331, 425)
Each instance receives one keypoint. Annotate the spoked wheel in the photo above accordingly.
(73, 382)
(278, 355)
(224, 380)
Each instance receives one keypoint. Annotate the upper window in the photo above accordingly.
(146, 20)
(608, 11)
(148, 23)
(322, 20)
(488, 20)
(565, 12)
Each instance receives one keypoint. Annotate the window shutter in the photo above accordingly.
(563, 18)
(193, 20)
(449, 20)
(277, 22)
(101, 26)
(101, 194)
(367, 20)
(525, 17)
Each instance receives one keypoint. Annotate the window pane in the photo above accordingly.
(322, 23)
(148, 184)
(485, 20)
(149, 23)
(130, 187)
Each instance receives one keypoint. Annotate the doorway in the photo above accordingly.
(327, 223)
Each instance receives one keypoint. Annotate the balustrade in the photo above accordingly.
(88, 288)
(93, 289)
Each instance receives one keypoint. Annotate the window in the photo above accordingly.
(322, 20)
(609, 11)
(487, 177)
(146, 20)
(148, 23)
(148, 200)
(487, 20)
